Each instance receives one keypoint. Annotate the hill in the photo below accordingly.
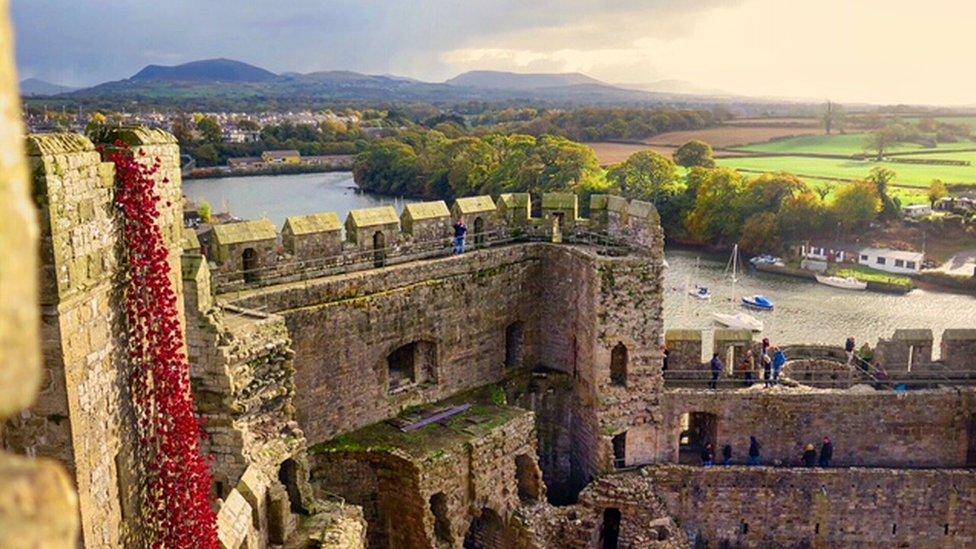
(208, 70)
(520, 81)
(35, 87)
(676, 87)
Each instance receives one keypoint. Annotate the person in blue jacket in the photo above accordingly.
(779, 359)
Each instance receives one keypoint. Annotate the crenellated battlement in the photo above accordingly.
(254, 253)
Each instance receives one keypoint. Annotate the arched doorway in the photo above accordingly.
(529, 479)
(442, 525)
(514, 337)
(697, 430)
(618, 365)
(487, 531)
(620, 450)
(249, 262)
(479, 231)
(379, 249)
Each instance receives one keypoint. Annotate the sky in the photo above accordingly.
(876, 51)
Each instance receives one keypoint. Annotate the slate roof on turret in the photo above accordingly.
(371, 217)
(959, 334)
(474, 204)
(683, 335)
(616, 204)
(313, 223)
(559, 201)
(426, 210)
(919, 334)
(244, 231)
(515, 200)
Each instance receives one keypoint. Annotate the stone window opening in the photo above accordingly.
(514, 338)
(411, 364)
(487, 531)
(620, 450)
(479, 231)
(618, 365)
(945, 529)
(610, 530)
(249, 262)
(442, 525)
(288, 476)
(379, 249)
(696, 430)
(894, 529)
(816, 528)
(528, 478)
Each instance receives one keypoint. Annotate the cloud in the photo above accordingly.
(870, 50)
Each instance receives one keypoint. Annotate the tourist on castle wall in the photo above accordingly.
(779, 360)
(717, 367)
(708, 455)
(826, 452)
(749, 365)
(727, 455)
(754, 448)
(809, 456)
(664, 362)
(767, 364)
(849, 349)
(460, 229)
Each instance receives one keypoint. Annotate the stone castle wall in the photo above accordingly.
(83, 416)
(931, 428)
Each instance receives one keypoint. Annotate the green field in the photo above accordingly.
(908, 175)
(846, 145)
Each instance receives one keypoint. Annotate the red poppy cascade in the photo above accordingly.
(177, 510)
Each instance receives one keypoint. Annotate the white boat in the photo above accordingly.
(849, 283)
(739, 321)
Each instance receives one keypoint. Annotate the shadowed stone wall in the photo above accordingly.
(931, 428)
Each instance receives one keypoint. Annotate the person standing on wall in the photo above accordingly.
(779, 360)
(664, 362)
(717, 367)
(727, 455)
(460, 229)
(809, 456)
(826, 453)
(767, 364)
(754, 448)
(749, 364)
(707, 455)
(849, 349)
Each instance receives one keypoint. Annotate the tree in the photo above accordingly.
(833, 117)
(767, 192)
(645, 175)
(760, 234)
(714, 218)
(206, 155)
(802, 216)
(937, 191)
(205, 210)
(694, 153)
(210, 130)
(880, 177)
(882, 139)
(856, 204)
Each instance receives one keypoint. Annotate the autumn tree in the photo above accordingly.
(761, 234)
(645, 175)
(880, 178)
(856, 204)
(937, 191)
(714, 218)
(694, 153)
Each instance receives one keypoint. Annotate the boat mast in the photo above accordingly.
(735, 256)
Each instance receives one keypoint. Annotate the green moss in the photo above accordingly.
(498, 396)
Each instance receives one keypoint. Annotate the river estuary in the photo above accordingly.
(805, 312)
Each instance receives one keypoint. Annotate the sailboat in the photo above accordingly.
(698, 292)
(740, 320)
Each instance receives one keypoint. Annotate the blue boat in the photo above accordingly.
(759, 302)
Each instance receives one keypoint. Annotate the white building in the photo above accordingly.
(917, 210)
(892, 261)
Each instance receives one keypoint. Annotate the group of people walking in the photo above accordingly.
(771, 360)
(810, 457)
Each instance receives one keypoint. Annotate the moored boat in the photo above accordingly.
(739, 321)
(758, 302)
(700, 292)
(849, 283)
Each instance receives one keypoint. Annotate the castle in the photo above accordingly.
(363, 387)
